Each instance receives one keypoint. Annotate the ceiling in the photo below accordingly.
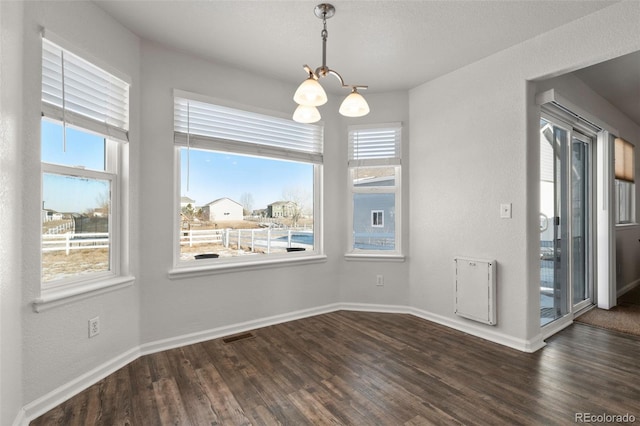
(387, 45)
(618, 81)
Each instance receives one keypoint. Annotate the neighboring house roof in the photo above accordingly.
(280, 203)
(187, 200)
(372, 180)
(222, 199)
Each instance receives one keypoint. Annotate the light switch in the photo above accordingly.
(505, 211)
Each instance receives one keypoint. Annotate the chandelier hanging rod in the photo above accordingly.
(325, 11)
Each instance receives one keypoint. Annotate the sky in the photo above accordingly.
(67, 194)
(212, 175)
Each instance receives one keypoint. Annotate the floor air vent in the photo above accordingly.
(238, 337)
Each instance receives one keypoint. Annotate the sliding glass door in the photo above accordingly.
(566, 220)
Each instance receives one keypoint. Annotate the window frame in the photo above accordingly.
(629, 201)
(624, 174)
(201, 267)
(391, 160)
(116, 136)
(111, 174)
(377, 218)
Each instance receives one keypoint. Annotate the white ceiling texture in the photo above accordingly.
(387, 45)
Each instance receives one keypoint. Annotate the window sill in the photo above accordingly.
(374, 257)
(621, 226)
(57, 297)
(213, 268)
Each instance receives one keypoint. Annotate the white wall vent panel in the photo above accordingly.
(475, 292)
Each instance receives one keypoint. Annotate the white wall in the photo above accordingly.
(56, 348)
(11, 14)
(358, 277)
(176, 307)
(627, 255)
(473, 146)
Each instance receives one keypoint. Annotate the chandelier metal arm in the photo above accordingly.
(328, 71)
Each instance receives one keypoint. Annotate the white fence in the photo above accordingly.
(70, 241)
(62, 228)
(230, 238)
(250, 238)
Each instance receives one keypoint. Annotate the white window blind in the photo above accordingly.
(79, 93)
(205, 125)
(624, 160)
(378, 145)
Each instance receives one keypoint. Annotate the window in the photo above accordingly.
(377, 218)
(254, 183)
(84, 125)
(624, 182)
(374, 181)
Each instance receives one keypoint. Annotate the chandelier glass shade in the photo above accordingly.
(354, 105)
(310, 93)
(306, 114)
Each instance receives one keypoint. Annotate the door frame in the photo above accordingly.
(591, 243)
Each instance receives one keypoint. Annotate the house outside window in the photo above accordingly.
(84, 127)
(255, 182)
(375, 189)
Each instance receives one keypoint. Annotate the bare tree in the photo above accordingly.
(246, 199)
(300, 198)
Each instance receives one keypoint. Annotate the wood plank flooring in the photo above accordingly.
(356, 368)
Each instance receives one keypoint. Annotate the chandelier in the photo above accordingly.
(310, 93)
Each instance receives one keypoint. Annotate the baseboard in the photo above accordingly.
(365, 307)
(21, 418)
(477, 331)
(627, 288)
(215, 333)
(481, 332)
(57, 396)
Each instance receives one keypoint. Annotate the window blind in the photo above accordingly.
(375, 146)
(79, 93)
(624, 160)
(205, 125)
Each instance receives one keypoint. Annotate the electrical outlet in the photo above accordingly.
(94, 327)
(379, 280)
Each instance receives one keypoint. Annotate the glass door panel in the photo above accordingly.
(581, 276)
(553, 256)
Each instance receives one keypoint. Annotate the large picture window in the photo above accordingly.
(374, 182)
(249, 185)
(85, 122)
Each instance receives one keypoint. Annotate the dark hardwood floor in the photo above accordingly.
(355, 368)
